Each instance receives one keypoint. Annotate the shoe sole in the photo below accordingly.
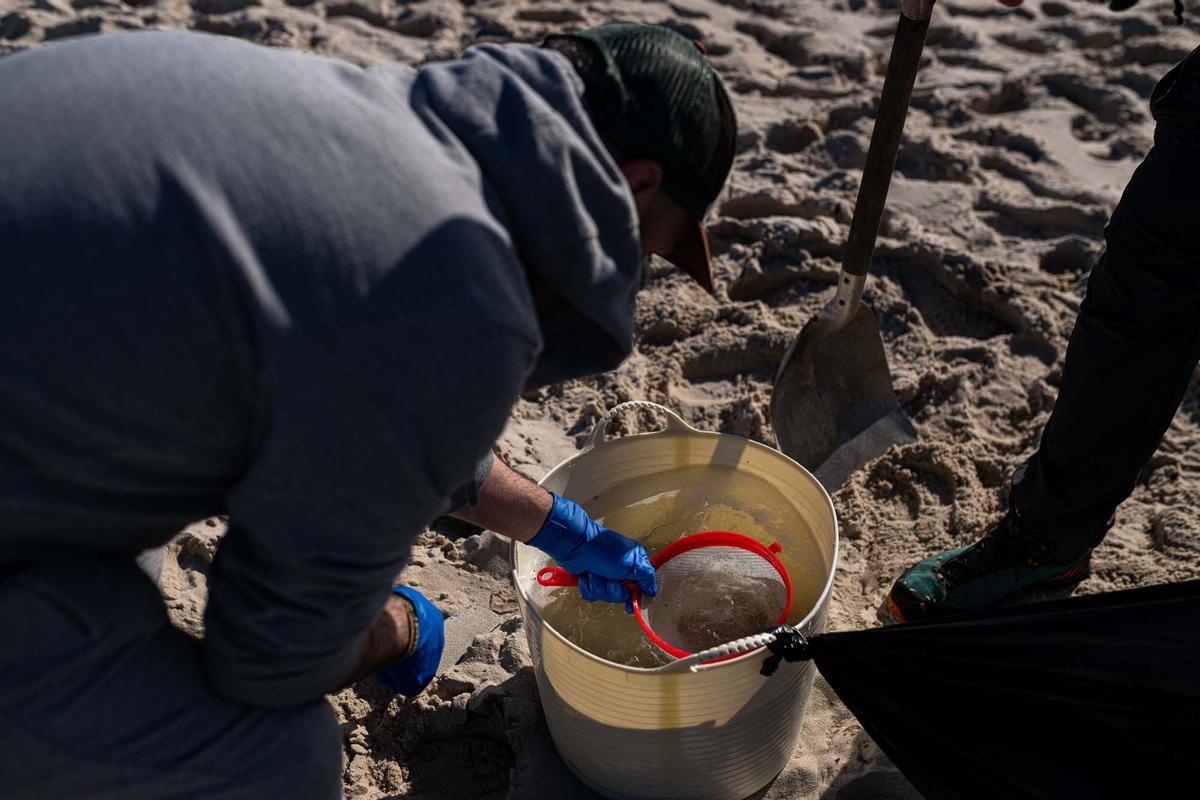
(1076, 573)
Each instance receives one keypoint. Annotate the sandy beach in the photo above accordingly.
(1025, 125)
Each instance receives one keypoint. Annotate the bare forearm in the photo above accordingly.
(388, 639)
(509, 504)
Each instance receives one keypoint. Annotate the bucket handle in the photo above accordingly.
(735, 647)
(674, 421)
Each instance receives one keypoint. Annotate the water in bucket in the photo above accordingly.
(659, 509)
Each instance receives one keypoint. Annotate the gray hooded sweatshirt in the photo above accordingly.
(251, 281)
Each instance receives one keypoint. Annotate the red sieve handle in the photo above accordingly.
(556, 576)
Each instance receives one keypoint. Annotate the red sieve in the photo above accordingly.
(713, 587)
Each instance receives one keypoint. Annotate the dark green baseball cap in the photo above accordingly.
(654, 95)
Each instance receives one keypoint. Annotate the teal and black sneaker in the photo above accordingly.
(1005, 562)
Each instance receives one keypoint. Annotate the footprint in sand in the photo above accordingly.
(381, 14)
(560, 15)
(929, 160)
(754, 352)
(947, 290)
(1004, 138)
(222, 6)
(1056, 10)
(1033, 217)
(1114, 105)
(1009, 96)
(78, 27)
(1036, 42)
(1071, 255)
(792, 136)
(1156, 51)
(14, 25)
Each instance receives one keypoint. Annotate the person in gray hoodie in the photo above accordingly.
(247, 281)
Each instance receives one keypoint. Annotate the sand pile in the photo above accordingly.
(1025, 126)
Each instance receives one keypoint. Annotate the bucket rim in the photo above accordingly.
(529, 608)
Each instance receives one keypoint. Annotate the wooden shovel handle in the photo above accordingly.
(885, 139)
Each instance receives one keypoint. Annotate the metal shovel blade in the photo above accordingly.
(833, 406)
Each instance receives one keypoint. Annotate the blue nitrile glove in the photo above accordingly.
(411, 675)
(602, 559)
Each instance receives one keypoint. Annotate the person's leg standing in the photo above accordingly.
(1131, 355)
(1134, 346)
(101, 697)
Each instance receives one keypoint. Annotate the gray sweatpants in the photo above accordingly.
(101, 697)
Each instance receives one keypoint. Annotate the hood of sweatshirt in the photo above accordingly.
(551, 182)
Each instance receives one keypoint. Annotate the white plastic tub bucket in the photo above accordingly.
(719, 731)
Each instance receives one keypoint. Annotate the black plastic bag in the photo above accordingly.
(1093, 696)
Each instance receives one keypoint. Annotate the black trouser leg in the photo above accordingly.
(1134, 348)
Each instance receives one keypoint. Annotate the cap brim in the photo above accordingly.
(691, 254)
